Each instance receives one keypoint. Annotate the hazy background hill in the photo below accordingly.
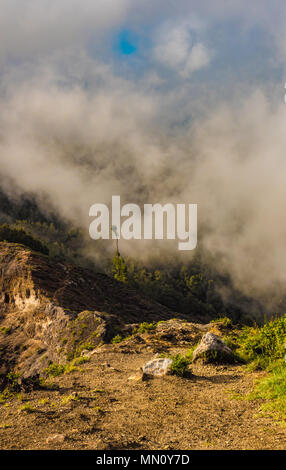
(194, 288)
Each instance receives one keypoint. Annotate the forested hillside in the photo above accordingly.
(193, 288)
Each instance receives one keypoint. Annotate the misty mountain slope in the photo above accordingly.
(50, 311)
(198, 285)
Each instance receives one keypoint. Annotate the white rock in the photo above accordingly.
(213, 349)
(56, 439)
(157, 367)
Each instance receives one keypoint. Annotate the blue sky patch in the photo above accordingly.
(127, 43)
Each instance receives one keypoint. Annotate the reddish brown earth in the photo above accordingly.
(97, 407)
(48, 309)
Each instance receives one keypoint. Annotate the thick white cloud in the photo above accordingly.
(31, 27)
(74, 130)
(175, 48)
(198, 58)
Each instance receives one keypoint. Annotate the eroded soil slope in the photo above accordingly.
(49, 310)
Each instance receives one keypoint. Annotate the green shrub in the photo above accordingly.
(12, 381)
(80, 360)
(82, 347)
(54, 370)
(263, 345)
(180, 365)
(146, 327)
(263, 348)
(117, 339)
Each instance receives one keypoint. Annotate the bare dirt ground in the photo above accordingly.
(97, 407)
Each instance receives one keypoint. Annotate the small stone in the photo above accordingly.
(136, 378)
(85, 353)
(56, 439)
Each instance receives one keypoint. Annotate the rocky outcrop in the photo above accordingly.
(49, 310)
(180, 332)
(162, 337)
(212, 349)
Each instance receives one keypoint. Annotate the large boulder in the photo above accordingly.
(212, 349)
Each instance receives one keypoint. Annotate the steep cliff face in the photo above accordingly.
(50, 311)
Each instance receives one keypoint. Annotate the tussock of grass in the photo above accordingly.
(263, 345)
(68, 398)
(54, 370)
(180, 365)
(43, 401)
(236, 396)
(145, 327)
(264, 349)
(225, 322)
(27, 407)
(272, 389)
(190, 352)
(117, 339)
